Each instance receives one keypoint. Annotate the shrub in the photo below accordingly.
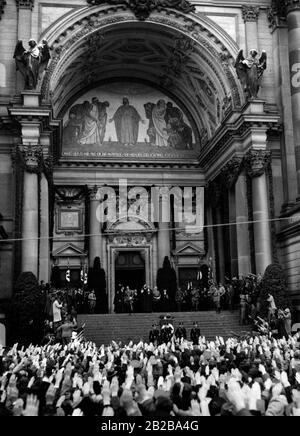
(26, 312)
(274, 283)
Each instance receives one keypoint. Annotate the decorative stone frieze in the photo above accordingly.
(143, 8)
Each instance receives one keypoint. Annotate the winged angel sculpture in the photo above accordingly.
(250, 71)
(32, 62)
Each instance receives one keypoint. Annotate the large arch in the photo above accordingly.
(186, 55)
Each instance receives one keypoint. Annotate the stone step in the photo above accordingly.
(102, 329)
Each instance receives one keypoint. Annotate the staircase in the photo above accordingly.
(102, 329)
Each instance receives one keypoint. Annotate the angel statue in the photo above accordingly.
(31, 63)
(250, 71)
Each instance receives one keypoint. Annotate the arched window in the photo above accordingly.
(2, 76)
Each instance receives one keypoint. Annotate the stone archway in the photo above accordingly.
(187, 55)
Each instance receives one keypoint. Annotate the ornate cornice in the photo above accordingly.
(250, 13)
(143, 8)
(292, 5)
(2, 4)
(25, 4)
(231, 172)
(256, 162)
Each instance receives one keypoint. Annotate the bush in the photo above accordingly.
(97, 281)
(274, 283)
(26, 312)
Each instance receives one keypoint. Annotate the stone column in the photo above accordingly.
(216, 195)
(164, 244)
(32, 159)
(250, 16)
(155, 259)
(229, 176)
(242, 230)
(293, 21)
(282, 86)
(44, 270)
(256, 163)
(95, 239)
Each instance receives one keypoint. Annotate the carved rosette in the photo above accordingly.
(25, 4)
(256, 162)
(31, 158)
(231, 172)
(250, 13)
(143, 8)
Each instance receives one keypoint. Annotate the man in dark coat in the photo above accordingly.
(195, 334)
(181, 332)
(154, 335)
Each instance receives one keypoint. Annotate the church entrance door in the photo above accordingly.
(130, 270)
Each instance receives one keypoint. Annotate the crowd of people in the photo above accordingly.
(192, 297)
(255, 375)
(238, 293)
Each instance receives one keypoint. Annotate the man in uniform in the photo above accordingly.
(154, 335)
(181, 332)
(195, 334)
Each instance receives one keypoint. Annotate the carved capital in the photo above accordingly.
(231, 172)
(250, 13)
(2, 4)
(292, 5)
(256, 162)
(277, 14)
(25, 4)
(92, 193)
(143, 8)
(32, 157)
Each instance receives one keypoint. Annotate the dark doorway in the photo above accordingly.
(130, 270)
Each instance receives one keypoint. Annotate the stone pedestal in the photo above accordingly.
(31, 98)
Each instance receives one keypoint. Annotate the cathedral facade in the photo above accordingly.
(115, 104)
